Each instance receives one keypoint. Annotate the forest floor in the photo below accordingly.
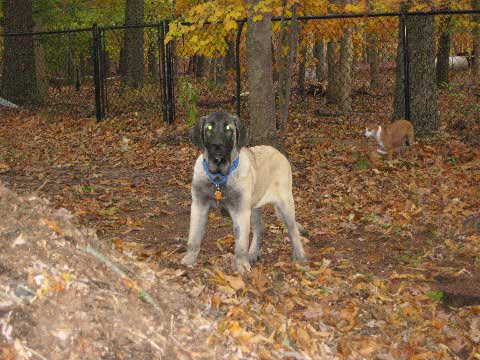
(394, 247)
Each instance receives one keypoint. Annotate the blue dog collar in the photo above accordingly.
(219, 179)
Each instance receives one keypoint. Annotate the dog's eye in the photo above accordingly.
(209, 127)
(228, 127)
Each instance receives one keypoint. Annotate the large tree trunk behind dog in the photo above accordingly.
(260, 80)
(443, 51)
(134, 43)
(422, 76)
(344, 80)
(23, 82)
(476, 41)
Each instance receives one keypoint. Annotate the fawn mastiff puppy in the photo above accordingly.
(239, 180)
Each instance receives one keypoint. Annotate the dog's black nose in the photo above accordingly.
(217, 145)
(217, 160)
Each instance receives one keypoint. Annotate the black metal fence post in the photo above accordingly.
(162, 69)
(166, 73)
(406, 59)
(170, 76)
(103, 72)
(96, 71)
(237, 66)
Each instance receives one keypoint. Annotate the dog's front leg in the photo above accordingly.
(241, 232)
(198, 226)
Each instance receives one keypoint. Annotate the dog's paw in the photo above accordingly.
(243, 266)
(189, 259)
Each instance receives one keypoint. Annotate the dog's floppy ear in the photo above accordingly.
(242, 138)
(196, 133)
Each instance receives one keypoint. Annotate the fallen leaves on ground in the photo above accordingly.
(381, 233)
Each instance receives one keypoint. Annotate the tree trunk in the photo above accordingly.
(422, 76)
(70, 68)
(106, 63)
(301, 72)
(40, 68)
(319, 54)
(212, 70)
(21, 81)
(476, 41)
(372, 56)
(331, 63)
(199, 64)
(221, 71)
(260, 80)
(82, 65)
(286, 76)
(399, 95)
(443, 54)
(275, 64)
(152, 63)
(122, 63)
(344, 69)
(345, 72)
(134, 43)
(230, 56)
(282, 40)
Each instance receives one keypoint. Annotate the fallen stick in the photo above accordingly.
(127, 281)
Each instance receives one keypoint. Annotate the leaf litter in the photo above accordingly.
(387, 240)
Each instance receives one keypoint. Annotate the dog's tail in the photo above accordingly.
(302, 230)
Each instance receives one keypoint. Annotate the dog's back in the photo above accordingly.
(272, 173)
(401, 132)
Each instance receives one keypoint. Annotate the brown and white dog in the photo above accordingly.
(393, 137)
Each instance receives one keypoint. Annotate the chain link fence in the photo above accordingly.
(345, 63)
(64, 76)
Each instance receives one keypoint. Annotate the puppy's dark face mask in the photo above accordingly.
(220, 136)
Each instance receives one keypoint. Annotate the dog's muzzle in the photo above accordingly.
(218, 159)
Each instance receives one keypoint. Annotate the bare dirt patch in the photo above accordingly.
(61, 297)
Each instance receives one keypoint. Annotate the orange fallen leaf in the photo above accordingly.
(53, 225)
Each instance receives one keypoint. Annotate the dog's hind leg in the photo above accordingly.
(301, 229)
(258, 229)
(286, 209)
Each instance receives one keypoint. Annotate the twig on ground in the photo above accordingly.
(142, 293)
(37, 354)
(146, 338)
(41, 186)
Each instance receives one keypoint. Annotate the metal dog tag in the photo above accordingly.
(218, 195)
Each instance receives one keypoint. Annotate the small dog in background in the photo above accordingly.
(393, 137)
